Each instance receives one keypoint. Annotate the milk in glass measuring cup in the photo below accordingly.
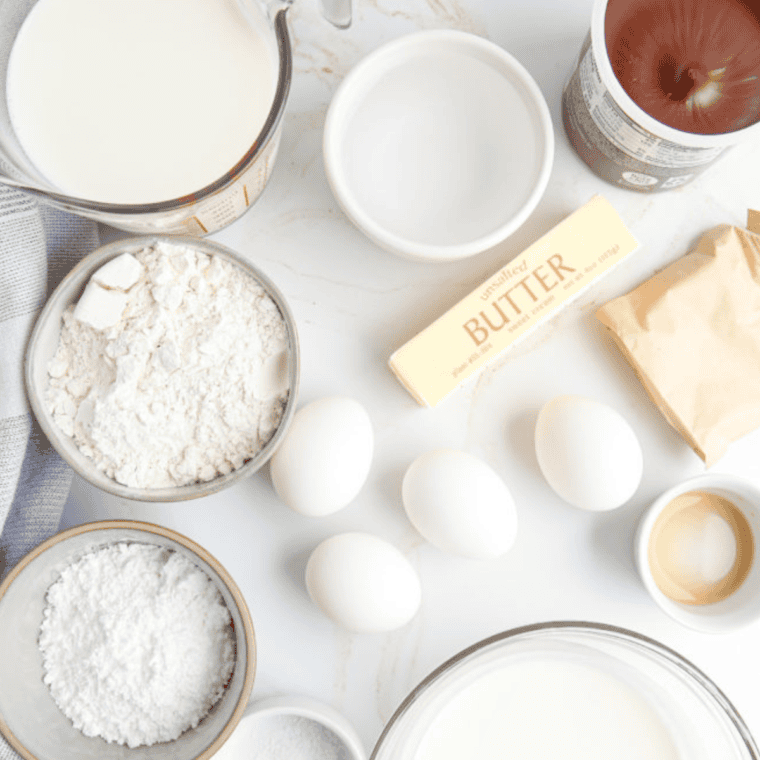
(148, 115)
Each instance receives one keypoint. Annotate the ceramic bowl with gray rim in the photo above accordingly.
(44, 342)
(29, 718)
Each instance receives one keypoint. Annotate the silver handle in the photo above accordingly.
(337, 12)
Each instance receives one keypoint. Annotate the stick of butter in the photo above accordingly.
(513, 302)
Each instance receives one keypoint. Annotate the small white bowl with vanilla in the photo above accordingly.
(696, 552)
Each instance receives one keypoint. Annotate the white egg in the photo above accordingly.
(588, 453)
(459, 504)
(363, 583)
(325, 457)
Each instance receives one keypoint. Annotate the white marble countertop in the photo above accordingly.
(354, 304)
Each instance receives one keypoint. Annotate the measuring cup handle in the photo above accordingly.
(337, 12)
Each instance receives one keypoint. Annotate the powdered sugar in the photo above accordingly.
(137, 643)
(171, 369)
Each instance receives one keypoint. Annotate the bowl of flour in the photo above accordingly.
(122, 639)
(164, 368)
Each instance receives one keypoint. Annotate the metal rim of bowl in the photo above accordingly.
(651, 646)
(156, 530)
(80, 274)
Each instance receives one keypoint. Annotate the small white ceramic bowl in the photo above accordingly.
(299, 720)
(740, 608)
(438, 145)
(29, 718)
(44, 342)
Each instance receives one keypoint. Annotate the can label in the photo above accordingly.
(226, 206)
(617, 127)
(616, 147)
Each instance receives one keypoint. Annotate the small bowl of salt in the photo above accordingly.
(292, 728)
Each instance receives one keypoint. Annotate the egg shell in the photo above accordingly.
(459, 504)
(325, 457)
(363, 583)
(588, 453)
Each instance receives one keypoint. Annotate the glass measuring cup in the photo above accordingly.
(209, 208)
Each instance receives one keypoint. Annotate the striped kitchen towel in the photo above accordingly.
(38, 246)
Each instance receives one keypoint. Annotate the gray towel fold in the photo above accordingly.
(38, 246)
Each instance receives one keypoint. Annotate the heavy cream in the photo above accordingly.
(138, 101)
(545, 709)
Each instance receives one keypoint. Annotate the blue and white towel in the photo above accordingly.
(38, 246)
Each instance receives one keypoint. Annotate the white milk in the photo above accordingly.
(547, 710)
(136, 101)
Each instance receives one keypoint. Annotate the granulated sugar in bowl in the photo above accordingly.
(164, 368)
(122, 639)
(292, 727)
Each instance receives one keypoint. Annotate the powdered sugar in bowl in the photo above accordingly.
(30, 717)
(164, 368)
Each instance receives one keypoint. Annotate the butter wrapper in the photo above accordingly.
(692, 335)
(513, 302)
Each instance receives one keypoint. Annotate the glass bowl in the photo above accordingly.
(689, 716)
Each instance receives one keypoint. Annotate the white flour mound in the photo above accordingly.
(172, 370)
(137, 644)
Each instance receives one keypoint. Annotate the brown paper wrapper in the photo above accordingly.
(692, 335)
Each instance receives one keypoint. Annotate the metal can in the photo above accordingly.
(620, 141)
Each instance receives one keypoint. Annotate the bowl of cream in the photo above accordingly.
(580, 691)
(438, 145)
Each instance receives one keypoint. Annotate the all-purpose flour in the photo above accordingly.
(137, 644)
(171, 369)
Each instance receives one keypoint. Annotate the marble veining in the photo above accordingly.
(355, 303)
